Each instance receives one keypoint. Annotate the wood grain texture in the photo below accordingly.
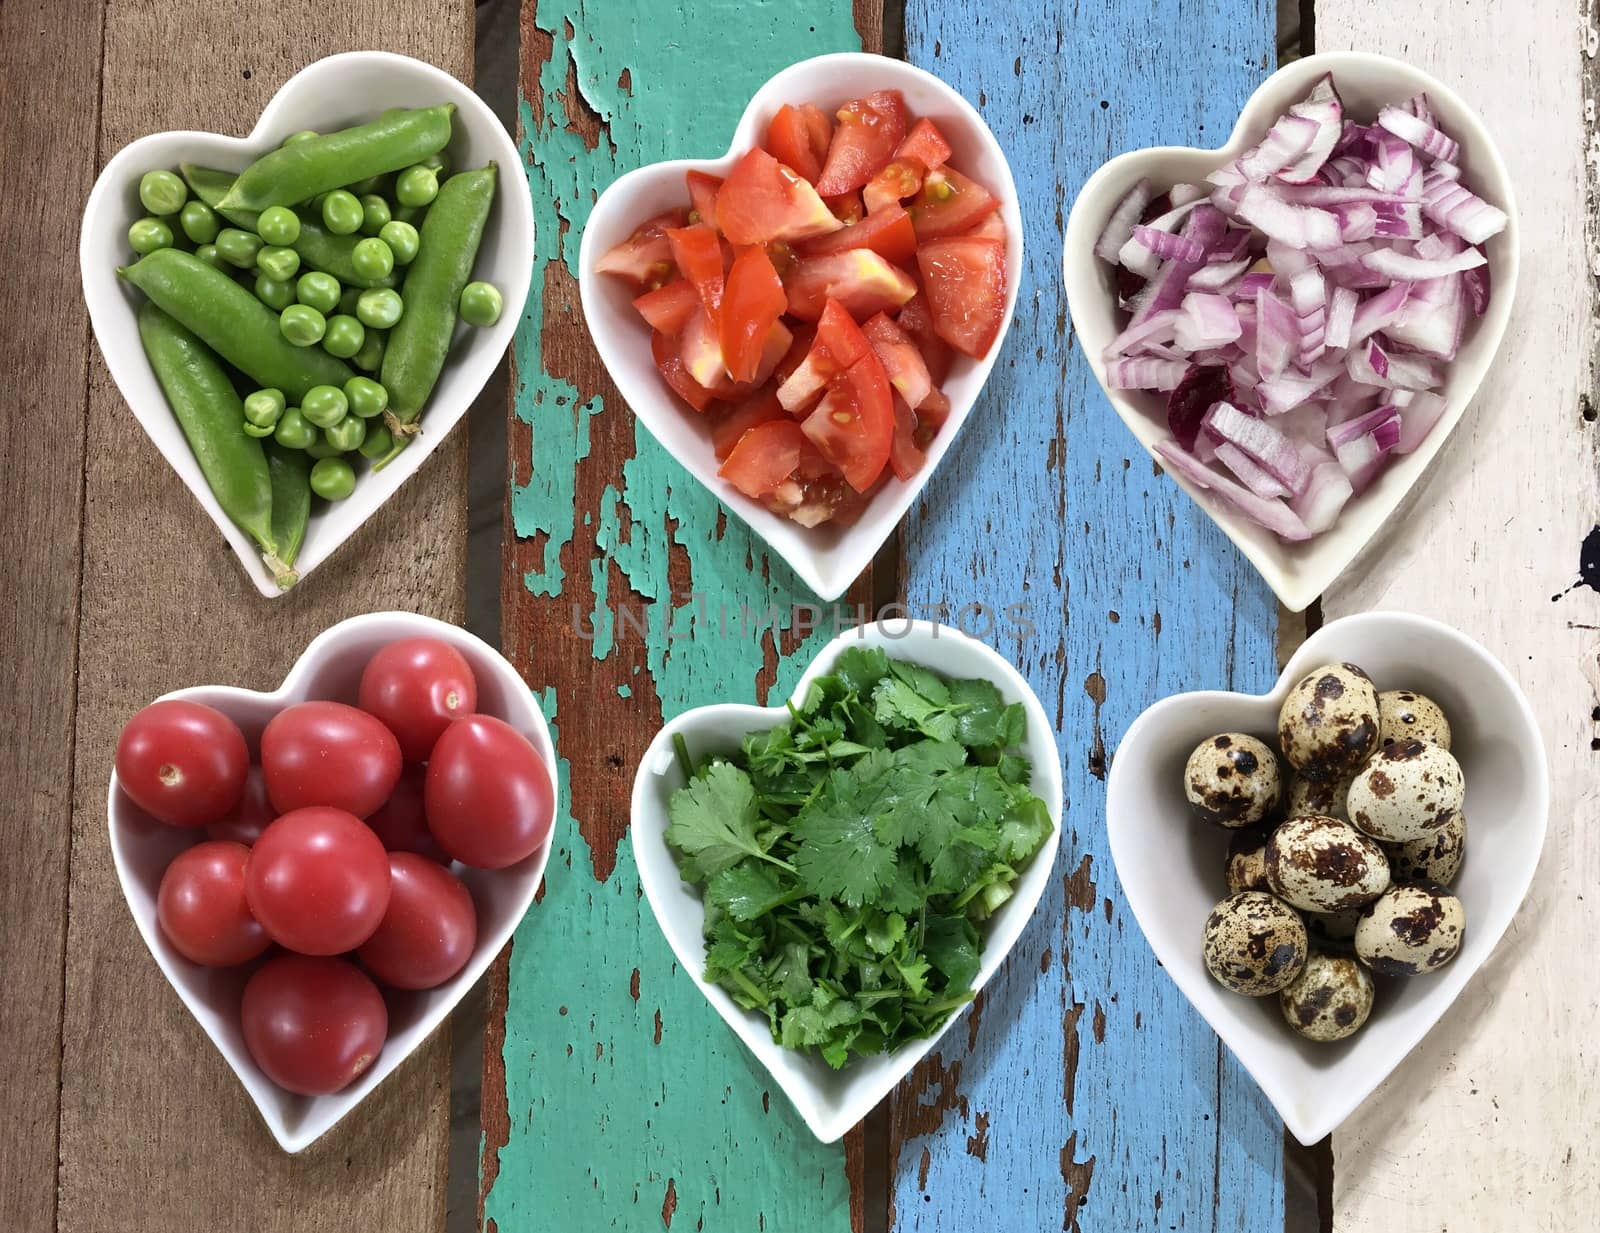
(1493, 1114)
(1084, 1092)
(155, 1131)
(45, 358)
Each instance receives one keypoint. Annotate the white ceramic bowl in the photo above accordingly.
(1298, 573)
(330, 668)
(831, 1101)
(827, 558)
(1171, 865)
(329, 94)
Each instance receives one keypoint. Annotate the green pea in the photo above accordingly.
(324, 405)
(409, 214)
(374, 214)
(209, 254)
(305, 134)
(302, 325)
(380, 308)
(278, 225)
(320, 448)
(341, 212)
(258, 430)
(265, 407)
(162, 192)
(480, 304)
(279, 263)
(199, 222)
(416, 186)
(437, 163)
(379, 441)
(294, 431)
(344, 337)
(369, 187)
(318, 290)
(366, 397)
(274, 292)
(149, 234)
(347, 434)
(402, 240)
(238, 247)
(348, 299)
(373, 259)
(370, 357)
(333, 479)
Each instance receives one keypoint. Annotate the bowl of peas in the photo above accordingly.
(298, 317)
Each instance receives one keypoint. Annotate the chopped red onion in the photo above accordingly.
(1254, 477)
(1119, 229)
(1145, 374)
(1420, 133)
(1275, 516)
(1417, 418)
(1325, 494)
(1267, 447)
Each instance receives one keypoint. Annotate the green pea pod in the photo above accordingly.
(418, 344)
(207, 408)
(318, 247)
(233, 323)
(291, 500)
(299, 171)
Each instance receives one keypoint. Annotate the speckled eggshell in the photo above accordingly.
(1330, 999)
(1320, 864)
(1410, 930)
(1326, 797)
(1246, 869)
(1333, 931)
(1436, 857)
(1255, 943)
(1328, 725)
(1405, 715)
(1407, 791)
(1232, 780)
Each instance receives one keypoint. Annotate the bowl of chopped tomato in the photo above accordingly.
(806, 322)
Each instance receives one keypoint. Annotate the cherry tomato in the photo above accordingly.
(182, 763)
(416, 687)
(313, 1025)
(488, 796)
(430, 928)
(318, 881)
(201, 906)
(252, 815)
(401, 823)
(327, 753)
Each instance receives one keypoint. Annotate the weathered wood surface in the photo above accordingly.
(155, 1132)
(1489, 1123)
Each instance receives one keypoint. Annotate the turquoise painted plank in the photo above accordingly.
(1091, 1096)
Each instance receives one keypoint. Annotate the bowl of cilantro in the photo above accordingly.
(842, 873)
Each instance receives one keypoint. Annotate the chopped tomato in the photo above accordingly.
(698, 255)
(667, 308)
(966, 283)
(847, 207)
(765, 456)
(670, 363)
(916, 319)
(949, 204)
(799, 346)
(760, 408)
(858, 278)
(701, 349)
(819, 126)
(838, 344)
(992, 227)
(645, 257)
(762, 200)
(926, 144)
(901, 360)
(931, 416)
(870, 129)
(789, 140)
(854, 423)
(703, 194)
(899, 180)
(751, 305)
(905, 456)
(888, 232)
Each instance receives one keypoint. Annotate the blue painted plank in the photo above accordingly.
(1086, 1093)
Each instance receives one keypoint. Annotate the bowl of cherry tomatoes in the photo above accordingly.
(323, 871)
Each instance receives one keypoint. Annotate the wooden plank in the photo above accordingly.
(1492, 1114)
(612, 1092)
(1085, 1092)
(165, 604)
(41, 473)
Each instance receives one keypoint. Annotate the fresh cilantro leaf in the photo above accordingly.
(860, 668)
(840, 856)
(898, 704)
(748, 890)
(925, 681)
(951, 944)
(884, 932)
(713, 821)
(1023, 830)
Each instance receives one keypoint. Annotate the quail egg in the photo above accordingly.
(1333, 931)
(1404, 714)
(1410, 929)
(1255, 943)
(1329, 1000)
(1407, 791)
(1320, 864)
(1325, 797)
(1436, 857)
(1232, 779)
(1247, 861)
(1328, 725)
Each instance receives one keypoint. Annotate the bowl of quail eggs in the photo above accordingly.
(1323, 868)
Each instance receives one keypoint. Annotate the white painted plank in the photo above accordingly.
(1489, 1124)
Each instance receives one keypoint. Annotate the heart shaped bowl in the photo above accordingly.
(332, 93)
(330, 668)
(826, 558)
(831, 1101)
(1298, 573)
(1171, 864)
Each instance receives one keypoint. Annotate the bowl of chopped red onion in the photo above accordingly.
(1293, 324)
